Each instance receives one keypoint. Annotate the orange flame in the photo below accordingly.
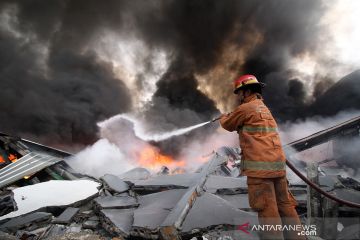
(150, 157)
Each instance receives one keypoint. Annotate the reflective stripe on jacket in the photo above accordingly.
(262, 154)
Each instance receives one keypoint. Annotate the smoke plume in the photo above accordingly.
(66, 65)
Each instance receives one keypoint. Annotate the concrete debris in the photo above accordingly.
(117, 222)
(67, 216)
(56, 230)
(153, 210)
(73, 236)
(114, 183)
(115, 202)
(6, 236)
(226, 185)
(210, 211)
(25, 221)
(166, 182)
(90, 224)
(210, 203)
(136, 174)
(164, 171)
(7, 203)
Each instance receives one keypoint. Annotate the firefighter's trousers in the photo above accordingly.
(275, 205)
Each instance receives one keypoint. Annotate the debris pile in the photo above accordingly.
(43, 198)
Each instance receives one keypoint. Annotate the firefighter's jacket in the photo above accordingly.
(262, 154)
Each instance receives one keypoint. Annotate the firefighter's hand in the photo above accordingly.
(225, 115)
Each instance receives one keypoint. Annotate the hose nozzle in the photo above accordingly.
(216, 119)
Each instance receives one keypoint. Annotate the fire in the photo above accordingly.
(150, 157)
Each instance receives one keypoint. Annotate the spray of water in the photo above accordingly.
(163, 136)
(156, 137)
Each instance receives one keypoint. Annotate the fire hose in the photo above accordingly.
(311, 184)
(318, 189)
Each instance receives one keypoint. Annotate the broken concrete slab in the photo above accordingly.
(52, 193)
(7, 203)
(25, 221)
(26, 235)
(210, 211)
(91, 224)
(213, 166)
(114, 183)
(226, 185)
(167, 182)
(115, 202)
(55, 230)
(135, 174)
(117, 222)
(153, 210)
(67, 216)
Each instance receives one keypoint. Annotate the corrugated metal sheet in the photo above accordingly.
(26, 166)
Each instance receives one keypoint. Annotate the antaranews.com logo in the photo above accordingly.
(248, 229)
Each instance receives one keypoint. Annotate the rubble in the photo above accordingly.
(157, 183)
(26, 166)
(114, 184)
(26, 221)
(57, 203)
(67, 216)
(211, 211)
(136, 174)
(7, 203)
(226, 185)
(117, 222)
(115, 202)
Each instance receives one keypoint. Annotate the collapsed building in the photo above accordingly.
(42, 197)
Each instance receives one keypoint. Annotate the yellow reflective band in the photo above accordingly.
(258, 129)
(256, 165)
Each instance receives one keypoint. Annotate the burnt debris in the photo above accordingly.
(211, 201)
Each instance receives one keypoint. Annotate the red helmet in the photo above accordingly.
(245, 80)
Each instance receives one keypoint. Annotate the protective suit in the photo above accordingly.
(263, 162)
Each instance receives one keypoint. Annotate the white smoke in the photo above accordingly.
(326, 151)
(197, 152)
(123, 139)
(137, 65)
(101, 158)
(292, 131)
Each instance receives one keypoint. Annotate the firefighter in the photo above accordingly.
(262, 160)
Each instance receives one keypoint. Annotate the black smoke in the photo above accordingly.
(52, 89)
(54, 86)
(197, 32)
(341, 96)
